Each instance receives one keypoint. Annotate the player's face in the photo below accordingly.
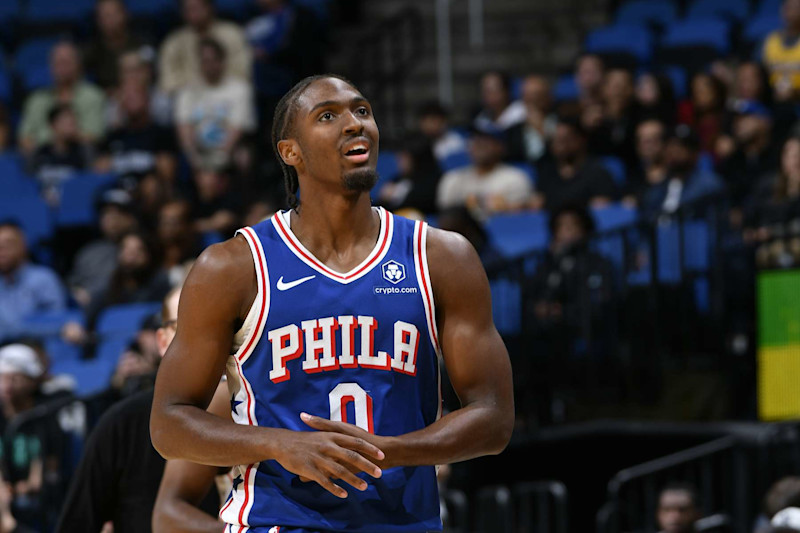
(336, 135)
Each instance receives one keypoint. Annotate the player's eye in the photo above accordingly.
(326, 116)
(362, 111)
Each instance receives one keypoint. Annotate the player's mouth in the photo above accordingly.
(357, 151)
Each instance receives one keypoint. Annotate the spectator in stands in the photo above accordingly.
(59, 159)
(95, 263)
(415, 185)
(119, 474)
(571, 176)
(137, 365)
(25, 288)
(433, 121)
(589, 74)
(651, 170)
(781, 53)
(287, 45)
(178, 239)
(86, 100)
(783, 494)
(685, 182)
(755, 153)
(137, 278)
(751, 82)
(258, 211)
(179, 63)
(498, 111)
(656, 98)
(138, 149)
(136, 67)
(216, 202)
(528, 140)
(27, 450)
(613, 132)
(678, 508)
(460, 220)
(214, 114)
(705, 110)
(573, 287)
(114, 37)
(488, 185)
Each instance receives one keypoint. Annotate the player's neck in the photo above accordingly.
(333, 226)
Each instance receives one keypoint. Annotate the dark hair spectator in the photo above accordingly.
(433, 123)
(705, 109)
(528, 140)
(416, 184)
(656, 98)
(498, 111)
(678, 508)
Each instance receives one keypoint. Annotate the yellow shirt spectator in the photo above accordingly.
(782, 58)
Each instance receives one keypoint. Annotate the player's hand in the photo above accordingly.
(323, 456)
(351, 430)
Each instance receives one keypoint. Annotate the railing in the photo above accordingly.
(534, 506)
(381, 62)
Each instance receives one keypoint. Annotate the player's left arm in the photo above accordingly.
(476, 360)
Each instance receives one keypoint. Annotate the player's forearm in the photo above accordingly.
(179, 516)
(469, 432)
(190, 433)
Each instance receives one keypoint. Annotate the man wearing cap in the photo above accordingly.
(685, 182)
(488, 185)
(755, 153)
(96, 261)
(23, 465)
(25, 288)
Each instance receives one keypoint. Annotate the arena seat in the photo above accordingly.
(31, 213)
(148, 8)
(759, 27)
(10, 10)
(514, 234)
(616, 168)
(387, 168)
(610, 218)
(736, 10)
(455, 160)
(125, 320)
(13, 180)
(694, 43)
(49, 323)
(236, 9)
(32, 62)
(91, 376)
(677, 75)
(626, 45)
(40, 12)
(5, 85)
(769, 7)
(506, 305)
(78, 206)
(647, 13)
(565, 89)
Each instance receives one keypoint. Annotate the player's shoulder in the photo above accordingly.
(225, 257)
(448, 245)
(451, 258)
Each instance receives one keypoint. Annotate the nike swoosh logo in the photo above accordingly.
(286, 286)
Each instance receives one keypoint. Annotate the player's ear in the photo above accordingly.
(290, 152)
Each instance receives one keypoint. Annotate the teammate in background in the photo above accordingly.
(330, 313)
(119, 473)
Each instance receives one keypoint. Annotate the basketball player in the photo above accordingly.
(336, 313)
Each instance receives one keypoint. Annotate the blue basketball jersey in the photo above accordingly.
(359, 347)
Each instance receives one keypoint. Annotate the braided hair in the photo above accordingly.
(283, 127)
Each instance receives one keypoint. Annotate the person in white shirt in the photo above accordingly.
(213, 114)
(488, 185)
(498, 111)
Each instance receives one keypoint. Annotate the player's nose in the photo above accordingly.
(352, 125)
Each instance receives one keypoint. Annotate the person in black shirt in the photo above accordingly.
(120, 471)
(569, 175)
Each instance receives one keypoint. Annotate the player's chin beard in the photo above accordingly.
(360, 179)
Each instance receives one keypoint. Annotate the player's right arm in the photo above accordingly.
(215, 299)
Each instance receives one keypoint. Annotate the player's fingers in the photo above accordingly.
(361, 446)
(323, 424)
(340, 472)
(330, 486)
(304, 479)
(350, 458)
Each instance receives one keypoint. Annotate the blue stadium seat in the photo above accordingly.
(58, 11)
(92, 376)
(565, 89)
(237, 9)
(10, 10)
(78, 206)
(455, 160)
(616, 168)
(13, 181)
(693, 258)
(647, 12)
(736, 10)
(320, 8)
(514, 234)
(769, 7)
(387, 168)
(629, 40)
(680, 80)
(125, 320)
(528, 169)
(614, 216)
(506, 306)
(31, 213)
(211, 237)
(713, 33)
(758, 28)
(5, 86)
(49, 323)
(148, 8)
(32, 62)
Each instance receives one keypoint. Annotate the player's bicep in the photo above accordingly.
(210, 305)
(474, 353)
